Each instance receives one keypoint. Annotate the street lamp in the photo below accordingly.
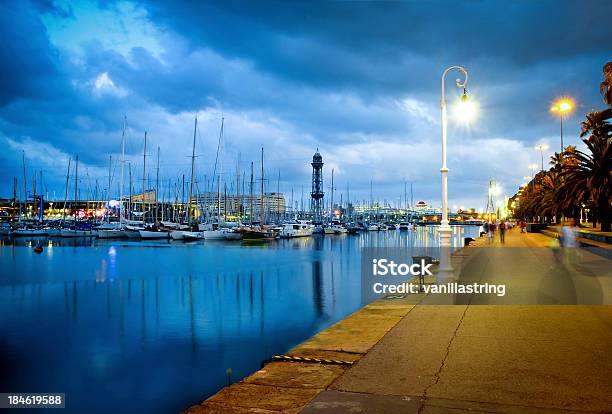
(542, 148)
(465, 110)
(562, 106)
(532, 167)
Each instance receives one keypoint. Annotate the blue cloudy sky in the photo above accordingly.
(358, 80)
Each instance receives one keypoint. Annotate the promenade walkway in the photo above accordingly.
(531, 351)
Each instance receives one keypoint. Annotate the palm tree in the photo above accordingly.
(606, 85)
(587, 177)
(578, 178)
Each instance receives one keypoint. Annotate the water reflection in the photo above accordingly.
(153, 326)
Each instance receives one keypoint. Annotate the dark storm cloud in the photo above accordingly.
(358, 79)
(346, 43)
(27, 68)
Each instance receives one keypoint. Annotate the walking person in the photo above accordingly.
(569, 241)
(502, 232)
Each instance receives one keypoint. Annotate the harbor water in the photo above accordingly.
(136, 326)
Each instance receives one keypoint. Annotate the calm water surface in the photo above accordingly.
(152, 327)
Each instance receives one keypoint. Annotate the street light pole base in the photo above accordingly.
(445, 270)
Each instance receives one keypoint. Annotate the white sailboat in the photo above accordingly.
(113, 230)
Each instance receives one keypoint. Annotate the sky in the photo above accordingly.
(360, 81)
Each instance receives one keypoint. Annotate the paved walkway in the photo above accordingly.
(546, 350)
(483, 358)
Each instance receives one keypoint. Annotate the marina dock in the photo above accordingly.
(414, 354)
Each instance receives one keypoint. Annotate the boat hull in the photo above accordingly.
(147, 234)
(193, 235)
(77, 233)
(177, 235)
(214, 235)
(111, 234)
(258, 235)
(29, 232)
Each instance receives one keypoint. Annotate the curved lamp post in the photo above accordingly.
(445, 269)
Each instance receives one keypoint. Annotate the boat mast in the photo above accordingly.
(108, 194)
(144, 176)
(35, 204)
(278, 213)
(122, 173)
(157, 187)
(76, 183)
(348, 202)
(261, 212)
(130, 191)
(238, 218)
(251, 196)
(331, 211)
(66, 194)
(195, 128)
(25, 184)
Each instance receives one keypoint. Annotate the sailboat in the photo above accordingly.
(182, 232)
(115, 230)
(77, 229)
(214, 230)
(259, 232)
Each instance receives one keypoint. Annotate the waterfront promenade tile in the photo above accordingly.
(359, 332)
(265, 397)
(339, 402)
(296, 375)
(407, 359)
(555, 374)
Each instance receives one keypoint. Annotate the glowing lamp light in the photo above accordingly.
(465, 110)
(563, 105)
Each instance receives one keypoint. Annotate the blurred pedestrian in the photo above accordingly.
(502, 232)
(569, 241)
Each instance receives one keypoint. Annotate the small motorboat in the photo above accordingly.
(154, 233)
(299, 229)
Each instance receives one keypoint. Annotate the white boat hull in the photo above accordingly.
(53, 232)
(214, 235)
(146, 234)
(77, 233)
(288, 234)
(177, 235)
(132, 232)
(193, 235)
(29, 232)
(111, 234)
(232, 235)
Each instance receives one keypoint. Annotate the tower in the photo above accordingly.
(490, 210)
(317, 188)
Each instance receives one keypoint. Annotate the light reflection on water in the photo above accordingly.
(153, 326)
